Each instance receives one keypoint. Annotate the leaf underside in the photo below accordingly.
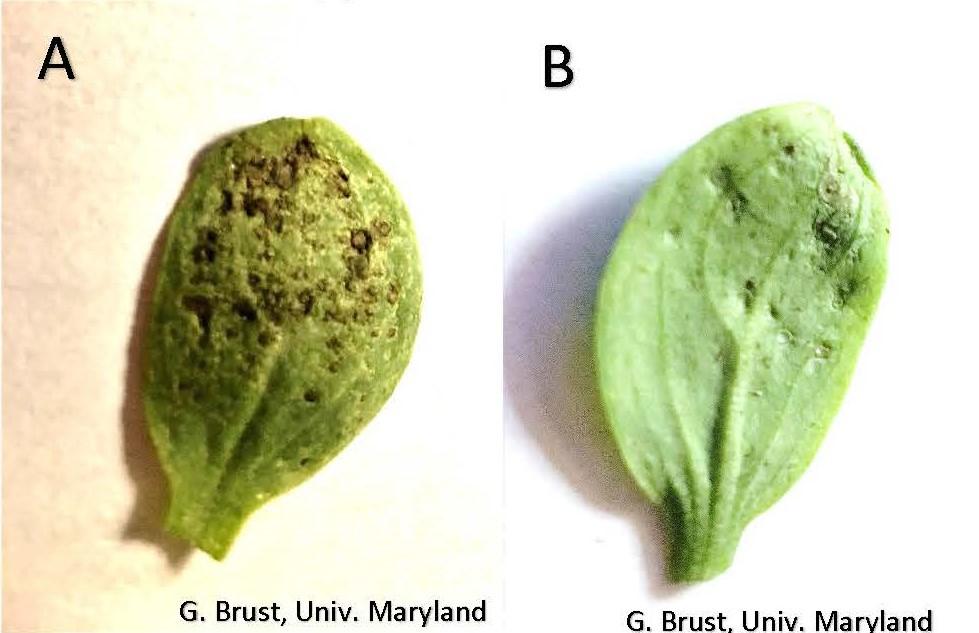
(729, 320)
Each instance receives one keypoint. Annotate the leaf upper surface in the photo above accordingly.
(284, 314)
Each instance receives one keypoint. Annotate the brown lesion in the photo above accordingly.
(361, 240)
(341, 180)
(336, 313)
(205, 250)
(246, 310)
(382, 227)
(306, 301)
(284, 175)
(304, 148)
(202, 307)
(227, 201)
(358, 266)
(257, 202)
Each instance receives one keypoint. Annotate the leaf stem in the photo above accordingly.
(212, 529)
(698, 550)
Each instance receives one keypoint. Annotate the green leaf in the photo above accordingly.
(729, 320)
(283, 317)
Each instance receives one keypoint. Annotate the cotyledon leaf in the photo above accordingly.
(729, 319)
(284, 315)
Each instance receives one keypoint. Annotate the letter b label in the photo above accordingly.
(557, 66)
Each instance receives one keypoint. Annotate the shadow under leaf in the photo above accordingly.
(549, 371)
(152, 490)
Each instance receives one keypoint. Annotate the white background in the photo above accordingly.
(886, 517)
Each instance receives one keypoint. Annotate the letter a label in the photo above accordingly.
(56, 45)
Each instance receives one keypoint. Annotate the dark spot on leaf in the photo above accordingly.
(255, 205)
(361, 266)
(383, 227)
(306, 299)
(826, 233)
(845, 291)
(739, 205)
(724, 178)
(305, 148)
(284, 176)
(204, 253)
(341, 180)
(246, 310)
(203, 309)
(789, 149)
(227, 201)
(311, 395)
(749, 294)
(829, 188)
(361, 240)
(336, 314)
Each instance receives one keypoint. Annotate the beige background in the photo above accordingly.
(91, 169)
